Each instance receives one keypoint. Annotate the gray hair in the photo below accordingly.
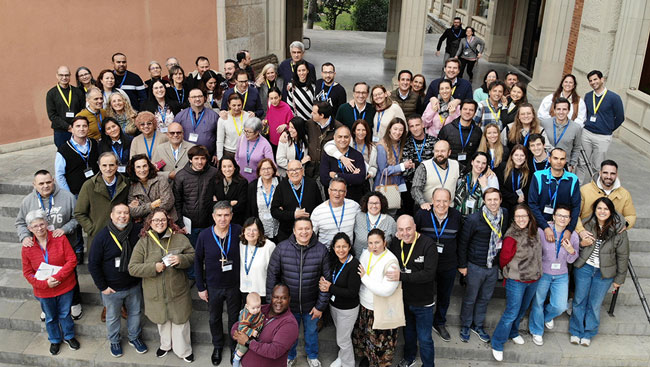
(253, 123)
(441, 189)
(106, 154)
(297, 44)
(222, 204)
(154, 62)
(35, 215)
(91, 90)
(337, 179)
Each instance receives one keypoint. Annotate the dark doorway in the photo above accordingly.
(534, 18)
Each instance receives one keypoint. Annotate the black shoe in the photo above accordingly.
(54, 348)
(161, 353)
(80, 258)
(189, 359)
(441, 330)
(73, 343)
(364, 362)
(216, 356)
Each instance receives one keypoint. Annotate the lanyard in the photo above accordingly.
(51, 200)
(162, 112)
(180, 98)
(46, 256)
(299, 152)
(269, 84)
(435, 166)
(363, 115)
(118, 242)
(593, 99)
(472, 190)
(69, 100)
(468, 41)
(335, 275)
(535, 164)
(374, 225)
(302, 191)
(341, 164)
(325, 97)
(442, 119)
(123, 78)
(498, 233)
(558, 242)
(515, 188)
(497, 116)
(241, 119)
(146, 145)
(408, 257)
(454, 33)
(435, 227)
(155, 239)
(528, 136)
(460, 130)
(196, 123)
(419, 151)
(553, 196)
(218, 241)
(98, 119)
(84, 157)
(247, 266)
(396, 154)
(369, 268)
(362, 149)
(555, 139)
(267, 201)
(250, 152)
(122, 150)
(379, 117)
(338, 226)
(245, 98)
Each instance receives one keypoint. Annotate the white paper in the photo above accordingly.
(46, 270)
(187, 222)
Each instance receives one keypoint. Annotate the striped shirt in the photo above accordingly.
(327, 225)
(594, 258)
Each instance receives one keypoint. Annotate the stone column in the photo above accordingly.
(498, 30)
(222, 53)
(553, 43)
(276, 28)
(514, 55)
(393, 28)
(411, 36)
(294, 13)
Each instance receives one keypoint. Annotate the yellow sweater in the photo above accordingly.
(621, 198)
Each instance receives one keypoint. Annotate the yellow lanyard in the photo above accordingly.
(401, 245)
(69, 100)
(234, 119)
(369, 268)
(442, 119)
(497, 116)
(498, 233)
(158, 242)
(245, 99)
(116, 241)
(593, 98)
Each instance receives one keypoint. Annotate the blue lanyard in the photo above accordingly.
(123, 78)
(553, 197)
(379, 117)
(179, 98)
(45, 254)
(98, 119)
(491, 160)
(247, 266)
(163, 112)
(435, 166)
(374, 225)
(85, 158)
(335, 275)
(121, 150)
(267, 201)
(460, 130)
(302, 191)
(467, 42)
(341, 164)
(419, 151)
(535, 164)
(218, 241)
(299, 152)
(396, 154)
(195, 123)
(515, 188)
(51, 200)
(325, 97)
(454, 33)
(250, 152)
(558, 242)
(338, 226)
(362, 150)
(473, 190)
(526, 138)
(363, 115)
(146, 145)
(555, 139)
(435, 227)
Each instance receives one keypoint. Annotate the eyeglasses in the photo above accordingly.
(146, 123)
(175, 132)
(337, 191)
(160, 221)
(243, 81)
(294, 170)
(196, 97)
(40, 225)
(562, 216)
(248, 132)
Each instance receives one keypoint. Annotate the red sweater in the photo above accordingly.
(59, 253)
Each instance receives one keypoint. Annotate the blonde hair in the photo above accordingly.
(484, 146)
(510, 166)
(515, 133)
(129, 112)
(261, 77)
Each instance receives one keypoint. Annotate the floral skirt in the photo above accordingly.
(376, 345)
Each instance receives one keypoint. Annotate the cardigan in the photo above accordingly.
(139, 144)
(249, 153)
(363, 224)
(374, 280)
(256, 260)
(228, 132)
(610, 113)
(277, 116)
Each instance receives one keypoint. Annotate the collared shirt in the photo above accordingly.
(59, 163)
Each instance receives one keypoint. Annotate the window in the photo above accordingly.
(482, 8)
(644, 83)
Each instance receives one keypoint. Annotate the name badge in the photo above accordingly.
(167, 260)
(333, 298)
(592, 118)
(465, 53)
(375, 139)
(50, 227)
(440, 247)
(519, 192)
(69, 114)
(194, 137)
(117, 262)
(419, 259)
(163, 129)
(407, 271)
(121, 169)
(89, 173)
(470, 203)
(248, 170)
(226, 265)
(462, 157)
(267, 216)
(548, 209)
(555, 266)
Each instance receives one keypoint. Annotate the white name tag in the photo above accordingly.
(375, 139)
(226, 267)
(470, 203)
(462, 157)
(121, 169)
(163, 129)
(117, 262)
(419, 259)
(69, 114)
(519, 192)
(465, 53)
(592, 118)
(89, 173)
(548, 210)
(440, 249)
(555, 266)
(50, 227)
(333, 298)
(194, 137)
(248, 170)
(407, 271)
(167, 260)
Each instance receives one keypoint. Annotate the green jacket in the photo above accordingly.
(614, 253)
(167, 294)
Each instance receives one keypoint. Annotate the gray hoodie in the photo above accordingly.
(61, 215)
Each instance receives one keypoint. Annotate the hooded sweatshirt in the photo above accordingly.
(61, 214)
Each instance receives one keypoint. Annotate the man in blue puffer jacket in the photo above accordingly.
(300, 262)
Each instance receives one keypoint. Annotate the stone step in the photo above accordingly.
(10, 204)
(8, 229)
(641, 263)
(639, 239)
(16, 188)
(628, 295)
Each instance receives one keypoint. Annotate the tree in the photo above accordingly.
(370, 15)
(334, 8)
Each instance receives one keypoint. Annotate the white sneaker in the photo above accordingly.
(313, 362)
(336, 363)
(42, 316)
(76, 311)
(585, 342)
(518, 340)
(497, 355)
(538, 340)
(291, 362)
(574, 340)
(550, 325)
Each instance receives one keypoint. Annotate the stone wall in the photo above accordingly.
(245, 27)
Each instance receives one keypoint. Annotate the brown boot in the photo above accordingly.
(124, 313)
(103, 317)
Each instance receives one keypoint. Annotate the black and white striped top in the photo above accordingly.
(301, 100)
(594, 258)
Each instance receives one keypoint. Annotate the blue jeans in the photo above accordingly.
(558, 285)
(311, 336)
(193, 236)
(58, 317)
(518, 298)
(480, 286)
(132, 300)
(590, 292)
(61, 137)
(419, 321)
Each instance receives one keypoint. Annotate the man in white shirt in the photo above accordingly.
(336, 214)
(440, 171)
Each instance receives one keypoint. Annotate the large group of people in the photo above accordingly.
(280, 198)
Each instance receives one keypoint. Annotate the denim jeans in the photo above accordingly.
(518, 298)
(419, 321)
(58, 317)
(558, 285)
(311, 336)
(132, 300)
(480, 286)
(445, 285)
(61, 137)
(590, 292)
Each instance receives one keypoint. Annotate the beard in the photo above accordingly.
(121, 226)
(440, 161)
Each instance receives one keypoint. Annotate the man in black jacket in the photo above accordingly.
(63, 102)
(331, 167)
(108, 264)
(296, 197)
(453, 36)
(300, 262)
(418, 259)
(463, 135)
(327, 90)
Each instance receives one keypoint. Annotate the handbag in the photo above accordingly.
(389, 311)
(390, 191)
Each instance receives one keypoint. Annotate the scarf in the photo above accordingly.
(123, 238)
(495, 239)
(444, 106)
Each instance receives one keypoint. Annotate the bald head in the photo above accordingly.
(63, 76)
(441, 152)
(295, 171)
(175, 133)
(95, 98)
(406, 228)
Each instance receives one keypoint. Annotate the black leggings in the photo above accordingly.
(470, 68)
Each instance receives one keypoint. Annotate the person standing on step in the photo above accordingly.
(63, 102)
(403, 96)
(567, 134)
(328, 90)
(469, 52)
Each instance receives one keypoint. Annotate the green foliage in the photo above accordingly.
(333, 8)
(370, 15)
